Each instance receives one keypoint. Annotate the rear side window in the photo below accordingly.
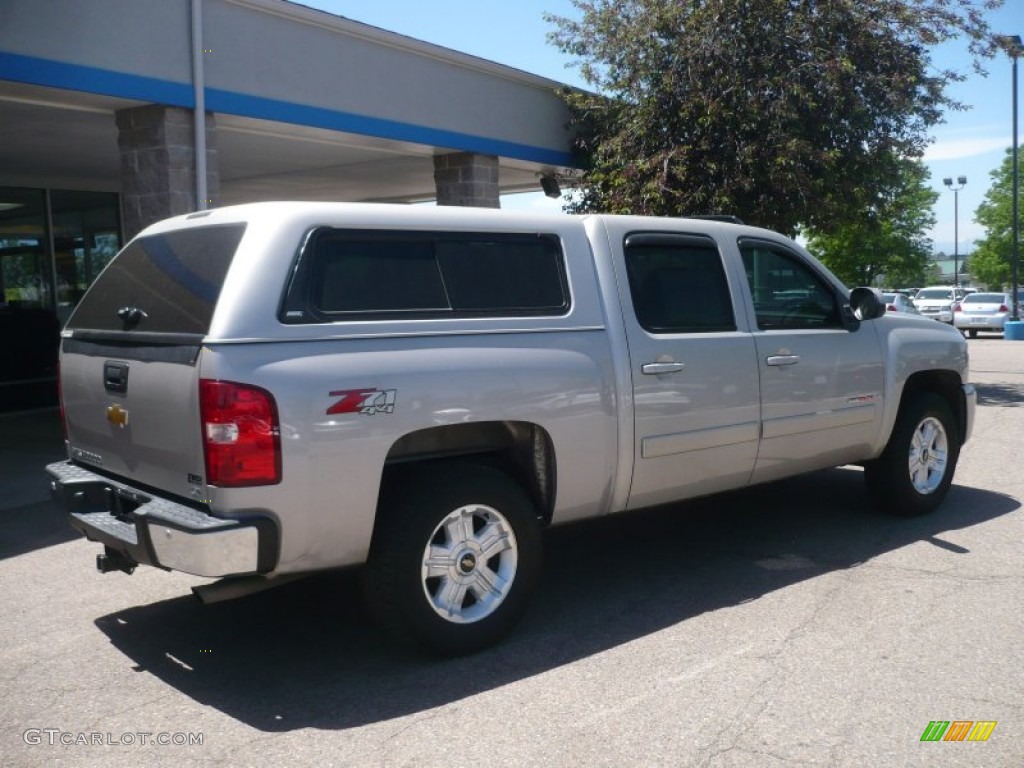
(678, 284)
(352, 275)
(166, 283)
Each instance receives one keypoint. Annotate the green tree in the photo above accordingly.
(991, 261)
(888, 236)
(780, 111)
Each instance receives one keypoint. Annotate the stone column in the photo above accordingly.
(157, 146)
(464, 178)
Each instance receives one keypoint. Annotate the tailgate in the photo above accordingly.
(129, 358)
(134, 413)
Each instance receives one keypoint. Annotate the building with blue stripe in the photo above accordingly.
(118, 113)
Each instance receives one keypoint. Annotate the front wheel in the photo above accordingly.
(455, 557)
(913, 474)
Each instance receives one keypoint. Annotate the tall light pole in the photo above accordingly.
(962, 181)
(1014, 48)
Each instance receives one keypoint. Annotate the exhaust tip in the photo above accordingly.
(239, 586)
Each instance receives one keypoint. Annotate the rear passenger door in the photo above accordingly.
(821, 383)
(695, 385)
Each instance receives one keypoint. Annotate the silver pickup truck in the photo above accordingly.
(261, 391)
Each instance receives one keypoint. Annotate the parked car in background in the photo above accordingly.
(982, 312)
(897, 302)
(937, 302)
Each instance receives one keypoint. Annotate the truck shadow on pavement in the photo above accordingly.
(305, 655)
(33, 526)
(1001, 394)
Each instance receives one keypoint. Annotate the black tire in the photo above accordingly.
(471, 601)
(913, 474)
(972, 333)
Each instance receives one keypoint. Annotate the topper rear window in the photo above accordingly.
(161, 284)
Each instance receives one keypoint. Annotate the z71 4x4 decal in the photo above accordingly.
(366, 401)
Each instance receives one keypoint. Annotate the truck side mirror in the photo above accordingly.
(866, 303)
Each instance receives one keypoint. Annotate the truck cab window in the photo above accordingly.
(787, 293)
(678, 284)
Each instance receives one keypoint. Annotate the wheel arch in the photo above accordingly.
(523, 450)
(946, 384)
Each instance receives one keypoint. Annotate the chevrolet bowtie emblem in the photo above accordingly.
(118, 416)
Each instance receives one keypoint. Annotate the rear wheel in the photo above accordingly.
(913, 474)
(455, 557)
(972, 333)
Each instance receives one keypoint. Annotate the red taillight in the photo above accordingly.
(890, 308)
(957, 307)
(1003, 308)
(241, 435)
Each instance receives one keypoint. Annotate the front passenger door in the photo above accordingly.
(821, 384)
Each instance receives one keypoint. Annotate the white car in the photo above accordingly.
(982, 312)
(897, 302)
(937, 302)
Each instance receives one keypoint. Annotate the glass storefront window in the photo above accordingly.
(24, 261)
(40, 284)
(85, 238)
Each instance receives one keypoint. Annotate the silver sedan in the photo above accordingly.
(897, 302)
(982, 312)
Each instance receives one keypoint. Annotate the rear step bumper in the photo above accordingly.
(160, 532)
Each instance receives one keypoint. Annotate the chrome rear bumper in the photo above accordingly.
(160, 532)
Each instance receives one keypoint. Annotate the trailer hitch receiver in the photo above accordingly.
(112, 560)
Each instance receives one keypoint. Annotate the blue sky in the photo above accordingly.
(970, 143)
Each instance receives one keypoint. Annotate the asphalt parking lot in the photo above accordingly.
(783, 625)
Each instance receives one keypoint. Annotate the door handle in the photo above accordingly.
(115, 376)
(783, 359)
(653, 369)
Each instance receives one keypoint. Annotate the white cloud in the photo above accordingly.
(957, 149)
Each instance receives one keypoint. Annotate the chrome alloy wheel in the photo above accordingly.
(469, 564)
(929, 450)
